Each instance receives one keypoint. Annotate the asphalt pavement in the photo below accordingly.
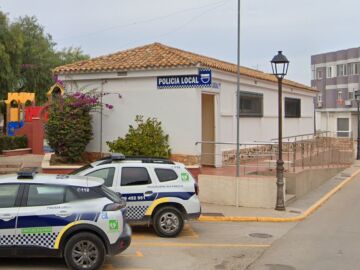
(327, 240)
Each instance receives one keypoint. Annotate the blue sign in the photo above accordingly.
(202, 79)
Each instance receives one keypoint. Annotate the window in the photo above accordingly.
(350, 95)
(341, 70)
(251, 104)
(40, 195)
(329, 72)
(292, 107)
(107, 174)
(81, 169)
(319, 97)
(353, 68)
(131, 176)
(343, 127)
(339, 95)
(319, 74)
(8, 194)
(165, 175)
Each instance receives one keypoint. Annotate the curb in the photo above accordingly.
(300, 217)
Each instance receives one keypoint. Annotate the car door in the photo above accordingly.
(42, 215)
(136, 187)
(10, 196)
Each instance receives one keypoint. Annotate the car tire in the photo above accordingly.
(84, 251)
(168, 222)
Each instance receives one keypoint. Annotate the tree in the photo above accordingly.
(11, 46)
(147, 139)
(28, 55)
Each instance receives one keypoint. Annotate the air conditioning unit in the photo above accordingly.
(319, 104)
(348, 102)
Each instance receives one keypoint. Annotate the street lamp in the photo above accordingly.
(357, 99)
(280, 65)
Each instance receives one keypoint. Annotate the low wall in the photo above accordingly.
(241, 191)
(303, 182)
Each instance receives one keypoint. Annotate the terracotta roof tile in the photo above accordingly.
(157, 55)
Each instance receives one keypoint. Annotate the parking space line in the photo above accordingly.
(188, 232)
(209, 245)
(111, 267)
(137, 254)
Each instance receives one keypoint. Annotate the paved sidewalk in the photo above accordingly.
(25, 160)
(294, 209)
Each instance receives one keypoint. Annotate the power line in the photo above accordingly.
(142, 21)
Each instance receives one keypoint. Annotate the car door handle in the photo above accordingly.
(63, 214)
(148, 193)
(7, 217)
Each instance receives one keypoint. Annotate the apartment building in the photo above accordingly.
(337, 76)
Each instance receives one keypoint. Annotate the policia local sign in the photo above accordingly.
(202, 79)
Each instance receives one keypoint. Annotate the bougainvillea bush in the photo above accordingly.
(146, 139)
(69, 128)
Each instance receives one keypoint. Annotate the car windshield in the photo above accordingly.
(79, 170)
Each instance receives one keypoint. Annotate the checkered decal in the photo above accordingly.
(41, 239)
(136, 212)
(6, 240)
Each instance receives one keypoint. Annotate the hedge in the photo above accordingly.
(12, 142)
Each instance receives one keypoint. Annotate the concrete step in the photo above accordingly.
(289, 198)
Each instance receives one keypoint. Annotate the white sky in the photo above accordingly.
(298, 27)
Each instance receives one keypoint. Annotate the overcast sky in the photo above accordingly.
(298, 27)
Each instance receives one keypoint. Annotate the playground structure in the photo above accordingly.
(21, 108)
(23, 117)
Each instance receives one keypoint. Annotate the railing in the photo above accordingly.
(323, 149)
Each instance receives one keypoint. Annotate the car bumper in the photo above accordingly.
(194, 216)
(122, 243)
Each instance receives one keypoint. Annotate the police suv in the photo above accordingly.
(73, 217)
(158, 191)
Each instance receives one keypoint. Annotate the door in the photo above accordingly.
(208, 129)
(42, 215)
(9, 201)
(137, 189)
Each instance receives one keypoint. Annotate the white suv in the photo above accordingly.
(158, 191)
(74, 217)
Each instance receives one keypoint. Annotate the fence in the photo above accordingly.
(323, 149)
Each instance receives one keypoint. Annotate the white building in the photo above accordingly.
(192, 95)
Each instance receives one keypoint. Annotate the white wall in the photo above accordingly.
(261, 128)
(179, 109)
(328, 121)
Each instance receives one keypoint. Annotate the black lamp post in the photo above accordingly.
(357, 99)
(280, 66)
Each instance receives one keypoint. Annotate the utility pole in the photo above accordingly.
(238, 95)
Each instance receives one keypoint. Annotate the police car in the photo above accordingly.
(73, 217)
(158, 191)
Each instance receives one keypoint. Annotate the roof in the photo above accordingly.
(53, 179)
(156, 56)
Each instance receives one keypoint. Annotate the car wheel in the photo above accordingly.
(168, 222)
(84, 251)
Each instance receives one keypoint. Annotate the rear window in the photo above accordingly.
(165, 175)
(40, 195)
(133, 176)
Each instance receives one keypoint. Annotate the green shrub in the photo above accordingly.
(12, 142)
(69, 129)
(147, 139)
